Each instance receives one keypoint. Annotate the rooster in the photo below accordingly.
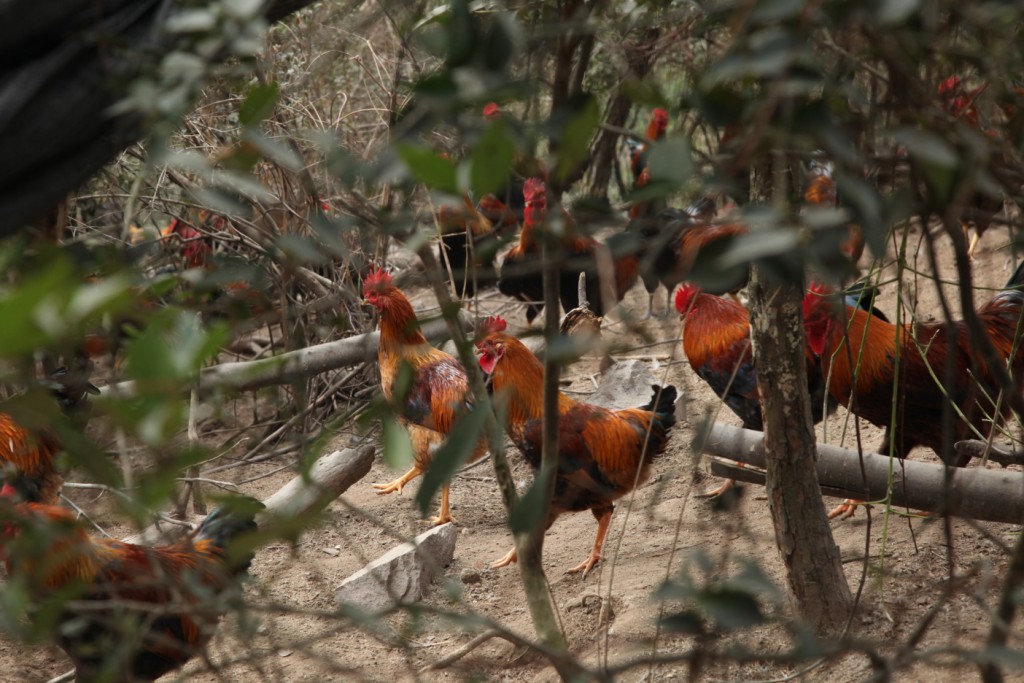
(602, 454)
(469, 243)
(139, 612)
(437, 390)
(660, 233)
(520, 271)
(821, 191)
(959, 103)
(859, 355)
(29, 454)
(639, 152)
(716, 341)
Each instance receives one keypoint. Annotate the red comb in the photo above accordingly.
(7, 491)
(491, 109)
(948, 85)
(533, 188)
(685, 295)
(493, 324)
(660, 115)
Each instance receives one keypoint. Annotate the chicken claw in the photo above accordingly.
(585, 567)
(509, 558)
(397, 484)
(717, 493)
(846, 510)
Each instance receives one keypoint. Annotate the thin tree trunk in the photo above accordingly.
(814, 571)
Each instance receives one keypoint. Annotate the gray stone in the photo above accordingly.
(403, 574)
(627, 384)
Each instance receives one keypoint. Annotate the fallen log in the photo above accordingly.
(295, 365)
(983, 494)
(329, 477)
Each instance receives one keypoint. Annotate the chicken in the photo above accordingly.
(29, 455)
(658, 235)
(639, 151)
(437, 392)
(674, 241)
(716, 342)
(520, 271)
(821, 191)
(602, 454)
(859, 354)
(139, 611)
(960, 104)
(468, 245)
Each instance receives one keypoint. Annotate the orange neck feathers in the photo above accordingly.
(398, 322)
(521, 374)
(713, 324)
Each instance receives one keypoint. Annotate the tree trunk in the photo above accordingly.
(639, 60)
(813, 568)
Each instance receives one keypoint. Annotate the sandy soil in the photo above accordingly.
(290, 633)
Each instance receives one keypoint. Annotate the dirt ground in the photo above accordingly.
(611, 616)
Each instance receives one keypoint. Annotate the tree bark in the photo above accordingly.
(814, 570)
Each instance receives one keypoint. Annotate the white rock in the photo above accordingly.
(403, 574)
(627, 384)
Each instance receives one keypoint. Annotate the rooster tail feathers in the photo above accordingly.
(1017, 279)
(663, 404)
(227, 523)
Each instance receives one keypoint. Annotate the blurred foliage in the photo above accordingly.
(298, 152)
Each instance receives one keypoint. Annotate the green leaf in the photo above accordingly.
(671, 161)
(730, 609)
(491, 161)
(429, 168)
(462, 34)
(259, 103)
(575, 137)
(500, 43)
(526, 513)
(453, 453)
(644, 93)
(397, 444)
(683, 622)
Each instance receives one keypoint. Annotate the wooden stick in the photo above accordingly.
(328, 478)
(988, 495)
(295, 365)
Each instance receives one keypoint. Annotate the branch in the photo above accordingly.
(329, 477)
(295, 365)
(989, 495)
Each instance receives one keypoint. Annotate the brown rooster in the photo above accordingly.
(437, 392)
(602, 454)
(139, 611)
(521, 270)
(960, 104)
(859, 351)
(29, 455)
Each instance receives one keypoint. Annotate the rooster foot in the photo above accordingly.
(717, 493)
(439, 520)
(509, 558)
(384, 489)
(585, 567)
(846, 510)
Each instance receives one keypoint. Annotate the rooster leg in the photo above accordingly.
(444, 515)
(650, 306)
(973, 244)
(398, 484)
(509, 558)
(847, 510)
(716, 493)
(604, 519)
